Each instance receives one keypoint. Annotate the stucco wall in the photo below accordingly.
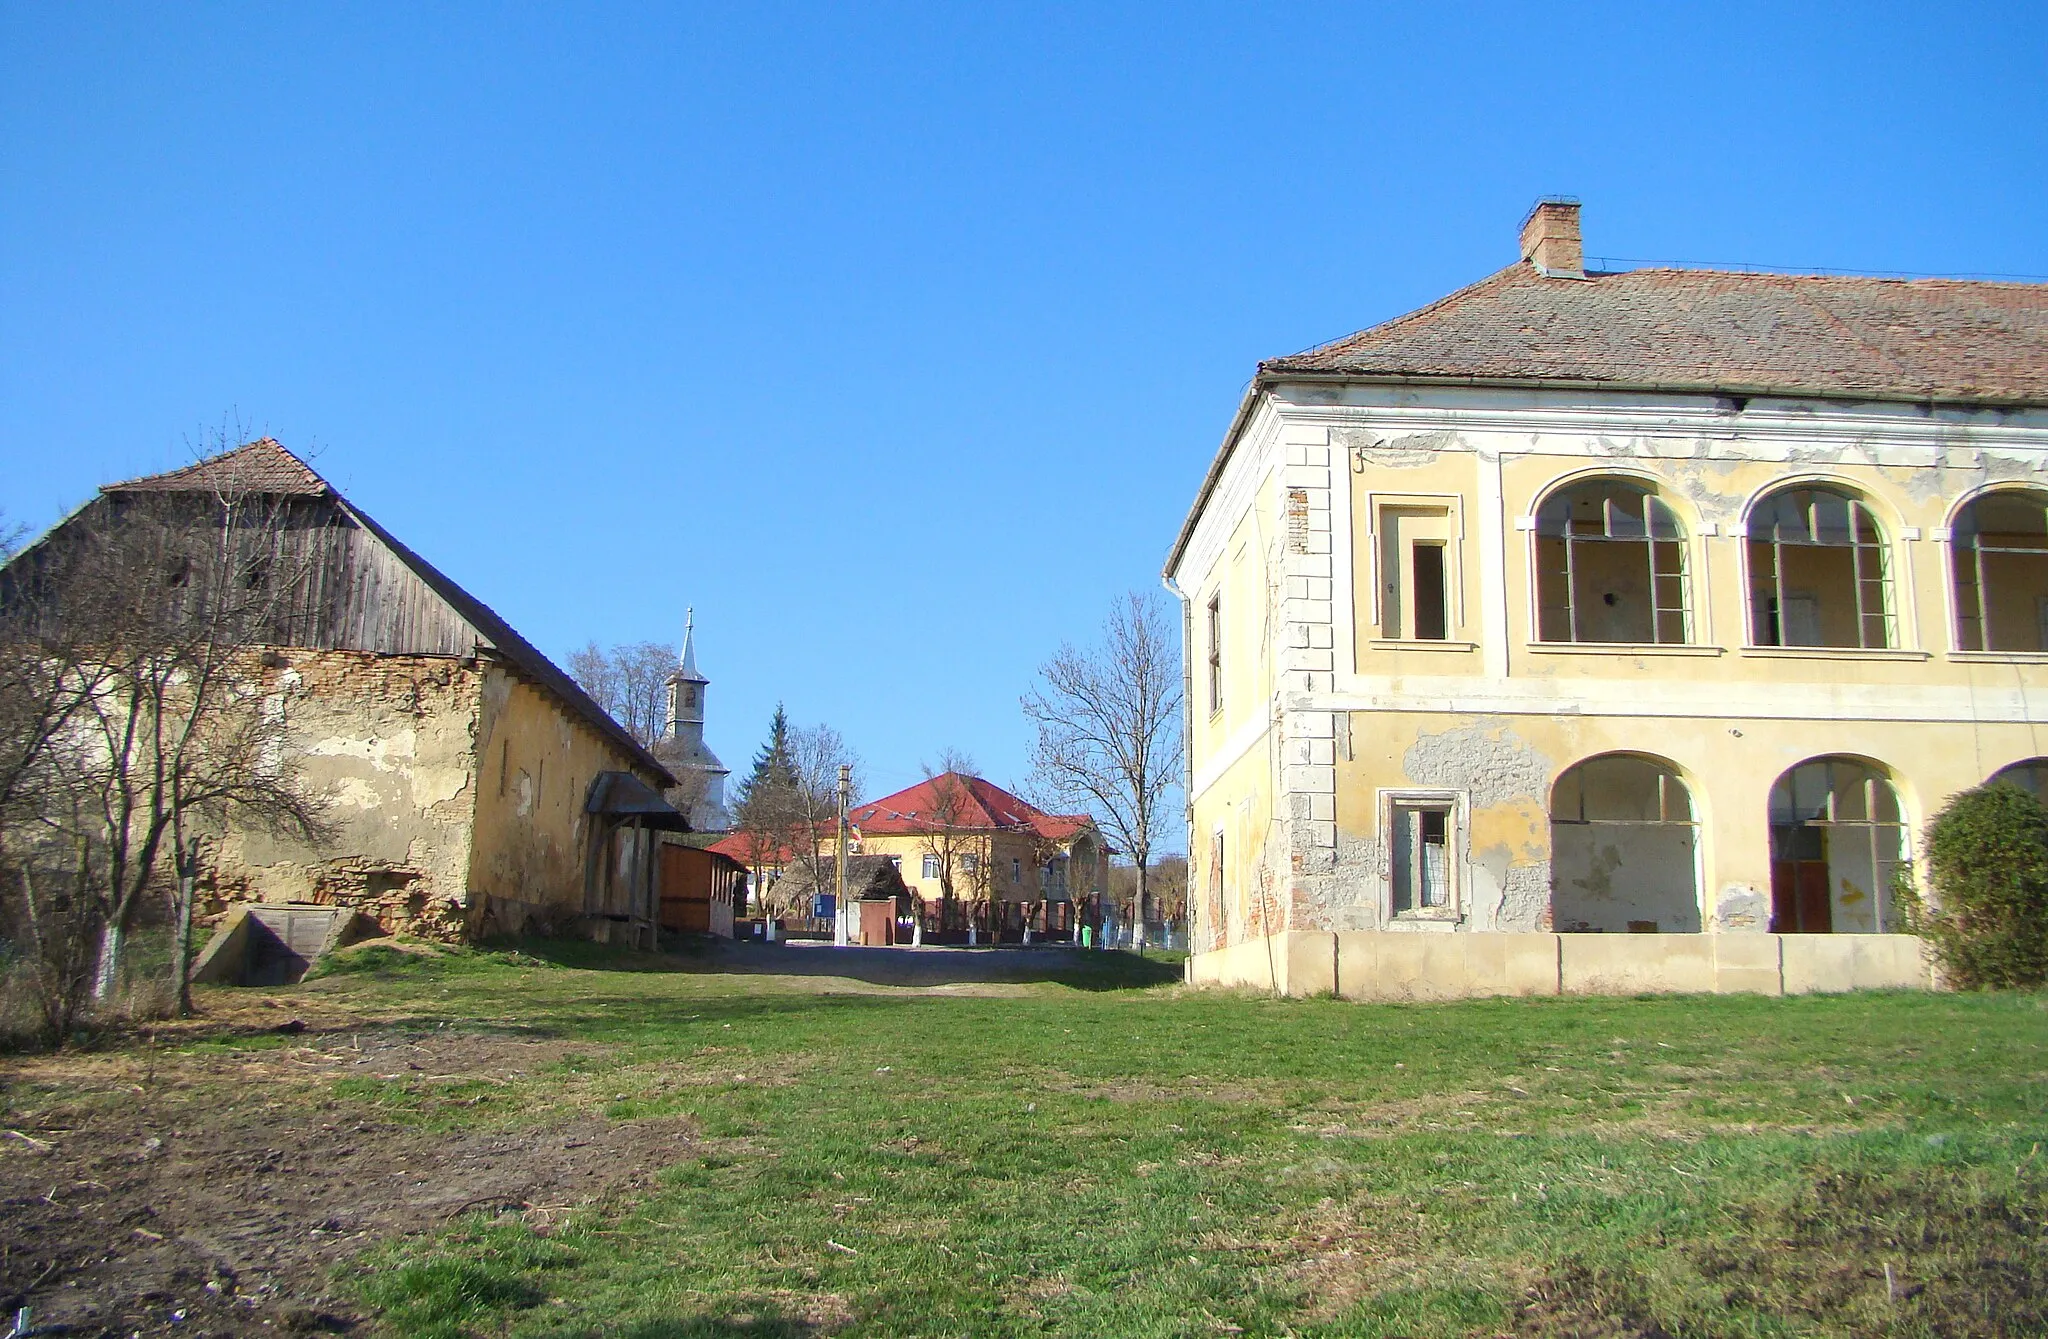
(388, 742)
(536, 765)
(1089, 873)
(1489, 717)
(1384, 965)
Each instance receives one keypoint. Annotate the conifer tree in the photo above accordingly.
(774, 772)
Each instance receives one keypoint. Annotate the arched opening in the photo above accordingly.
(1610, 566)
(1999, 551)
(2030, 776)
(1837, 844)
(1819, 573)
(1623, 837)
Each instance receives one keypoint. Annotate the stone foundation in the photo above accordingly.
(1393, 965)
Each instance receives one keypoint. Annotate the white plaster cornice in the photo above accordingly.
(1704, 426)
(1249, 463)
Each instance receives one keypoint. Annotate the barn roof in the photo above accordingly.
(264, 467)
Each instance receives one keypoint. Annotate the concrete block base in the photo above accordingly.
(1379, 965)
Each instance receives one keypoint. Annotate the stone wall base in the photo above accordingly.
(1392, 965)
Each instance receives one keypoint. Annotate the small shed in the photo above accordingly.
(700, 889)
(873, 881)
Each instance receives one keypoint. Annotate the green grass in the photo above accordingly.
(1075, 1159)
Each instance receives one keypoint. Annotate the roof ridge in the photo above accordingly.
(263, 456)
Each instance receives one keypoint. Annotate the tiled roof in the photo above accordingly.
(262, 466)
(958, 802)
(1888, 339)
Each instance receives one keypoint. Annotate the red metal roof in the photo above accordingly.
(958, 802)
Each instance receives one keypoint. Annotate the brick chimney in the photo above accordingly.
(1550, 238)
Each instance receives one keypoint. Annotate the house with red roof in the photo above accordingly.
(986, 865)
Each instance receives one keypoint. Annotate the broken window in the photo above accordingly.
(1415, 573)
(1838, 844)
(1422, 849)
(1999, 545)
(1610, 566)
(2030, 776)
(1819, 574)
(1622, 848)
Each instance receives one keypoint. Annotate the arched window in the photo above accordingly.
(2030, 776)
(1610, 566)
(1622, 840)
(1837, 844)
(1999, 546)
(1819, 574)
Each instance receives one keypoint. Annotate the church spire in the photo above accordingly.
(687, 663)
(684, 751)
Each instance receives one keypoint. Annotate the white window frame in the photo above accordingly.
(930, 868)
(1214, 660)
(1457, 805)
(1451, 506)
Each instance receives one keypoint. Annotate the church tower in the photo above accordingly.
(683, 748)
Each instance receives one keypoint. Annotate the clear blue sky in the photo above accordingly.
(895, 339)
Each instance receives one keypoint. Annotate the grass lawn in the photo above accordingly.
(1099, 1157)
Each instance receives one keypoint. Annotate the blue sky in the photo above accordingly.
(893, 338)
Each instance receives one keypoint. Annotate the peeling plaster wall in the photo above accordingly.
(389, 742)
(536, 765)
(1491, 716)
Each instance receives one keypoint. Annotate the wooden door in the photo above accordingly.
(877, 924)
(1800, 901)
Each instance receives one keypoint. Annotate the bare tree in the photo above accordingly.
(149, 611)
(1167, 888)
(816, 754)
(953, 833)
(790, 804)
(631, 682)
(1109, 731)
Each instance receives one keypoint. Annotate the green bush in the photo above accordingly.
(1987, 861)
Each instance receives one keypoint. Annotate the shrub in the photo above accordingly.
(1987, 862)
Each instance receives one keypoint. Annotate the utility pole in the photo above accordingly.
(839, 904)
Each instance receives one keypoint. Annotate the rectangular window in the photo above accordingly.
(1432, 610)
(1216, 880)
(1422, 851)
(931, 866)
(1215, 654)
(1417, 573)
(1016, 870)
(970, 863)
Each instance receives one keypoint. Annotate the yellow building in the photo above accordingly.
(1622, 630)
(981, 859)
(472, 787)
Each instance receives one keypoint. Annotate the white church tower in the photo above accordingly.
(684, 750)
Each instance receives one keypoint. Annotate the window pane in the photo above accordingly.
(1432, 616)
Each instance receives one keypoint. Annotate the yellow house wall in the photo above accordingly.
(1244, 900)
(536, 764)
(1085, 875)
(1493, 716)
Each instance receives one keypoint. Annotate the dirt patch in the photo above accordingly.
(218, 1200)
